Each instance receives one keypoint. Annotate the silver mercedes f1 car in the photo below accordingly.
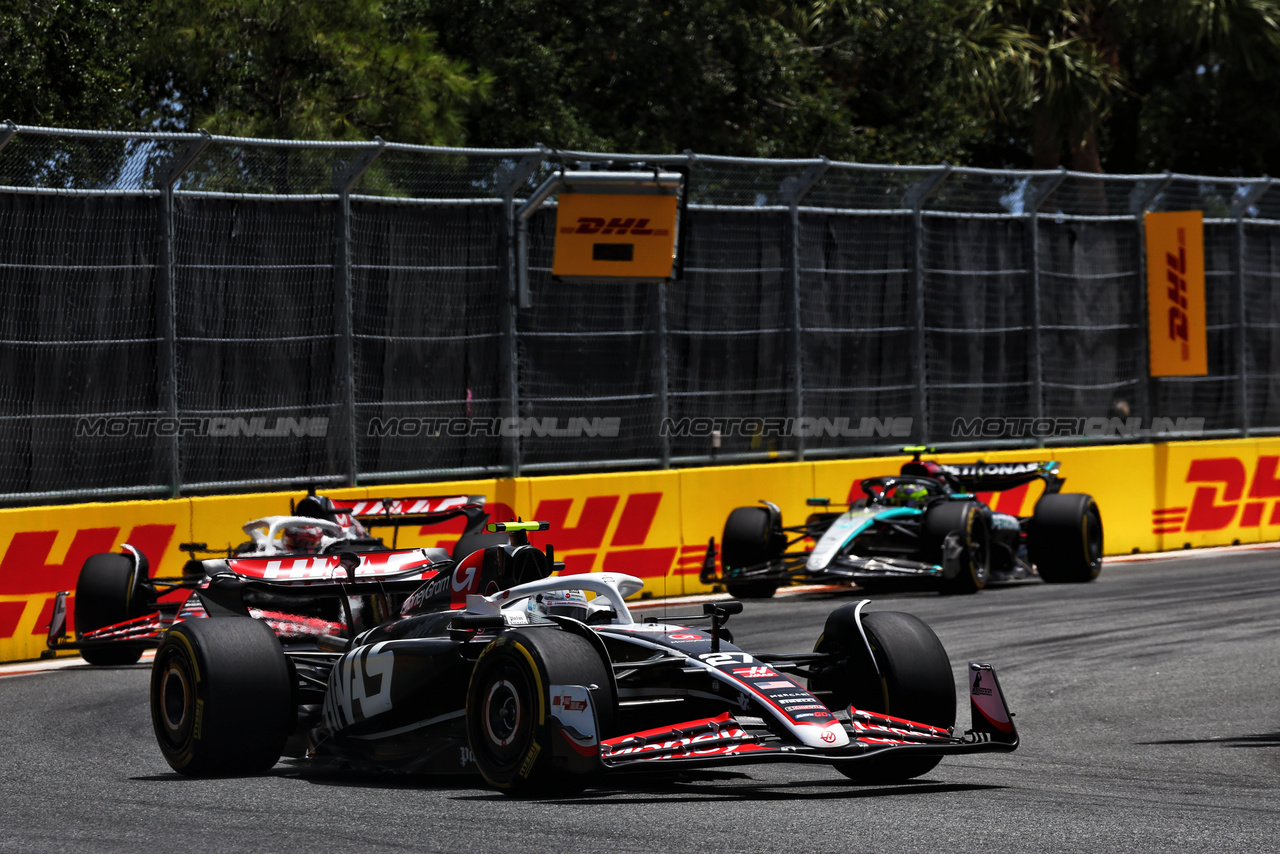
(924, 524)
(541, 684)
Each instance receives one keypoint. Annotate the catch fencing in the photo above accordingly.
(186, 313)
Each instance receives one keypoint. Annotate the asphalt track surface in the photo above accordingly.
(1147, 704)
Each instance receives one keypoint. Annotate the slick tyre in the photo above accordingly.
(751, 537)
(909, 678)
(1064, 539)
(221, 697)
(108, 591)
(509, 724)
(957, 535)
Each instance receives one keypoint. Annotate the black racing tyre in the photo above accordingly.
(914, 682)
(966, 526)
(751, 537)
(751, 589)
(108, 591)
(221, 697)
(193, 571)
(508, 707)
(1064, 538)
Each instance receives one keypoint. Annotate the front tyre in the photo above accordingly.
(913, 681)
(1064, 539)
(108, 591)
(221, 697)
(957, 536)
(509, 726)
(752, 537)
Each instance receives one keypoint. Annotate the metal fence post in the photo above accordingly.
(166, 305)
(1037, 357)
(1238, 209)
(793, 190)
(916, 198)
(662, 367)
(1147, 390)
(7, 130)
(343, 307)
(516, 272)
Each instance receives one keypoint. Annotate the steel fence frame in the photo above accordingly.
(801, 194)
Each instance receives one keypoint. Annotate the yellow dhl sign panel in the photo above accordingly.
(612, 235)
(1175, 294)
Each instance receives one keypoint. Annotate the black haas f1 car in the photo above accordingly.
(492, 665)
(925, 524)
(118, 607)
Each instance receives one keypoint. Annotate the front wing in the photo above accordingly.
(729, 740)
(792, 567)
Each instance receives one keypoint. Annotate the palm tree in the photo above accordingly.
(1085, 53)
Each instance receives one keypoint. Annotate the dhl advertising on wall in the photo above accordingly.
(656, 525)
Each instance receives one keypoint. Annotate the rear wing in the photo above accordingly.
(998, 477)
(399, 512)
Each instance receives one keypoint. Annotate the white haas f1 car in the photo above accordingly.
(492, 666)
(926, 524)
(118, 610)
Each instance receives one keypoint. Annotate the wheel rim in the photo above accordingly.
(503, 715)
(174, 701)
(173, 698)
(979, 556)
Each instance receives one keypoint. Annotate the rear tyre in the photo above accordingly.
(221, 697)
(108, 591)
(752, 536)
(957, 535)
(1064, 539)
(914, 682)
(509, 706)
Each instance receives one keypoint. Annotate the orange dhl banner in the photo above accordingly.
(656, 524)
(1175, 294)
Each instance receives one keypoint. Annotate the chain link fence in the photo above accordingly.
(187, 313)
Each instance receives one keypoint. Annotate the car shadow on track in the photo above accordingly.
(1263, 739)
(736, 787)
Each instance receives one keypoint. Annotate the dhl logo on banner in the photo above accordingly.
(1220, 500)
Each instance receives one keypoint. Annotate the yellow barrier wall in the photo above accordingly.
(656, 524)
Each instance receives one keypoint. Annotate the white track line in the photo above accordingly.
(27, 668)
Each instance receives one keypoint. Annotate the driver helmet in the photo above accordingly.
(561, 603)
(303, 538)
(907, 495)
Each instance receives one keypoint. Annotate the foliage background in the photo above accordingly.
(1095, 85)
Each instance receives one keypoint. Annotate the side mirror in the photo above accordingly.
(722, 609)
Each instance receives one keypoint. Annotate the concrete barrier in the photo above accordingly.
(656, 524)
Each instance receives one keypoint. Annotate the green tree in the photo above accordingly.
(714, 76)
(922, 81)
(1099, 60)
(66, 63)
(303, 69)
